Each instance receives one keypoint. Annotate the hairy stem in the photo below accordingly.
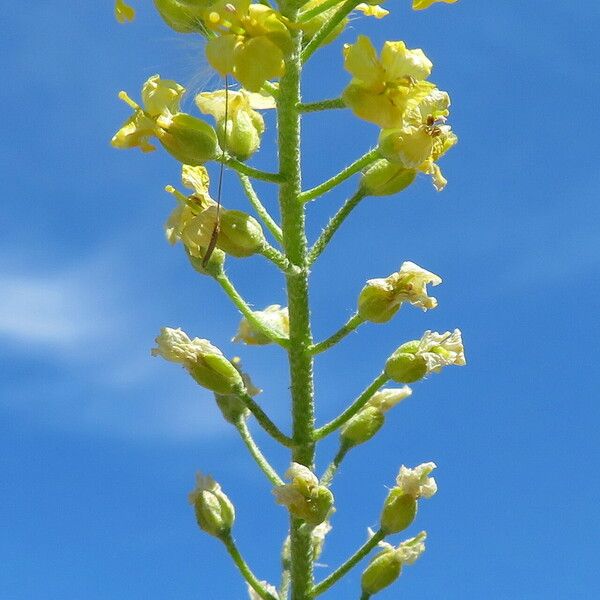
(247, 312)
(321, 105)
(261, 416)
(353, 408)
(244, 569)
(307, 15)
(353, 322)
(245, 169)
(364, 161)
(334, 224)
(257, 455)
(351, 562)
(258, 206)
(300, 337)
(277, 258)
(329, 26)
(334, 465)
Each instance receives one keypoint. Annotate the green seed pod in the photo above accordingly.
(214, 511)
(376, 301)
(239, 234)
(317, 506)
(188, 139)
(216, 373)
(243, 135)
(399, 511)
(184, 16)
(384, 178)
(405, 366)
(362, 426)
(214, 266)
(383, 570)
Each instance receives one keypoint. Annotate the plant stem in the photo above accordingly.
(278, 258)
(329, 26)
(353, 322)
(261, 416)
(247, 312)
(351, 562)
(262, 212)
(257, 455)
(300, 337)
(352, 409)
(365, 596)
(321, 105)
(241, 167)
(313, 12)
(334, 224)
(359, 164)
(244, 569)
(334, 465)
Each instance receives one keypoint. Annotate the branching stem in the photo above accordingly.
(364, 161)
(247, 312)
(353, 322)
(351, 562)
(258, 206)
(335, 464)
(244, 569)
(241, 167)
(353, 408)
(257, 455)
(333, 103)
(334, 224)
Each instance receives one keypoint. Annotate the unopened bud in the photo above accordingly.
(188, 139)
(399, 511)
(184, 16)
(405, 365)
(382, 571)
(214, 511)
(384, 178)
(362, 426)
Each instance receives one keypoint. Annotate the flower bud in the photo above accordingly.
(204, 362)
(184, 16)
(304, 497)
(386, 567)
(214, 511)
(405, 367)
(274, 317)
(362, 426)
(231, 405)
(188, 139)
(382, 571)
(384, 178)
(399, 511)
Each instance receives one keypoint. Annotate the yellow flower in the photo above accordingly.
(158, 96)
(124, 12)
(422, 4)
(240, 136)
(423, 137)
(382, 87)
(251, 44)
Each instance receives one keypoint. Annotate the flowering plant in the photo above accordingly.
(262, 48)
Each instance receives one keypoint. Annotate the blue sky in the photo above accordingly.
(99, 442)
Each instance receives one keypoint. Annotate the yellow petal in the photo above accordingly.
(124, 12)
(372, 10)
(422, 4)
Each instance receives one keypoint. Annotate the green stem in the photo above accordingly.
(353, 408)
(334, 224)
(353, 322)
(247, 312)
(321, 105)
(257, 455)
(278, 258)
(364, 161)
(307, 15)
(300, 337)
(261, 416)
(241, 167)
(328, 27)
(259, 207)
(334, 465)
(351, 562)
(244, 569)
